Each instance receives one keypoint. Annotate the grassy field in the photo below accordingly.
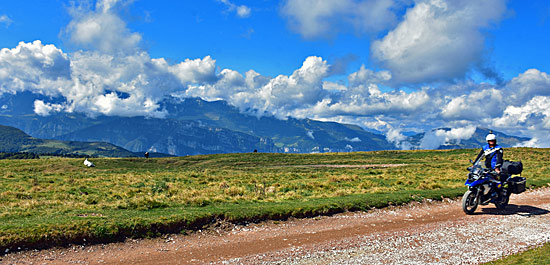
(57, 201)
(537, 256)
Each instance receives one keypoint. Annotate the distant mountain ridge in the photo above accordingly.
(14, 140)
(194, 126)
(291, 135)
(171, 136)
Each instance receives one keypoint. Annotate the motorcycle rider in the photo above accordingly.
(493, 154)
(483, 181)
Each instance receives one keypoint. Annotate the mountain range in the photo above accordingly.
(194, 126)
(14, 140)
(476, 141)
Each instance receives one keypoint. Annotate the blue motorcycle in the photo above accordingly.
(484, 187)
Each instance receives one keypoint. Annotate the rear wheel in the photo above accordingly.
(469, 202)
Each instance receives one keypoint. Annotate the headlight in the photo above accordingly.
(473, 175)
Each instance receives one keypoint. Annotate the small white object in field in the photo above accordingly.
(88, 163)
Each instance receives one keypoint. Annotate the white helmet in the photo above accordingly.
(491, 137)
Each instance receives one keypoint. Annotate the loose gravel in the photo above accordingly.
(462, 241)
(448, 243)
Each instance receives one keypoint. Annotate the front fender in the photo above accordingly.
(474, 183)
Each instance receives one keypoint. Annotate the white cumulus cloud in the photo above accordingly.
(527, 85)
(101, 28)
(305, 94)
(476, 105)
(44, 109)
(353, 140)
(534, 115)
(277, 96)
(435, 138)
(437, 40)
(325, 18)
(98, 83)
(370, 100)
(394, 135)
(130, 85)
(42, 69)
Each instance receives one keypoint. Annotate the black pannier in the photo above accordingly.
(516, 184)
(511, 167)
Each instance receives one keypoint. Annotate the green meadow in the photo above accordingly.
(536, 256)
(59, 201)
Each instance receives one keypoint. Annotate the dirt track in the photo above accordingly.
(419, 233)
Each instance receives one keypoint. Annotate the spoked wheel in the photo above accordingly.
(469, 202)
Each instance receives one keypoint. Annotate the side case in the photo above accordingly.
(517, 184)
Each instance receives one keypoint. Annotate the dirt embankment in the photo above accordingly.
(423, 233)
(353, 166)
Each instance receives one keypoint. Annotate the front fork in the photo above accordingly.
(476, 191)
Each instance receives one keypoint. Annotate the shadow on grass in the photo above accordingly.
(511, 209)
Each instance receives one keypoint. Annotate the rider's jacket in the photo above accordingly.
(493, 156)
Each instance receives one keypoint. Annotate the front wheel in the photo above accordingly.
(469, 202)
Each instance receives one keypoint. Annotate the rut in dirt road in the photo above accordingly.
(418, 233)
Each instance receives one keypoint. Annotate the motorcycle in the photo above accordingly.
(484, 188)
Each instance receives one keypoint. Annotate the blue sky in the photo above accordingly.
(178, 30)
(263, 41)
(389, 65)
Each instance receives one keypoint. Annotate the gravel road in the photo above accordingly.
(418, 233)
